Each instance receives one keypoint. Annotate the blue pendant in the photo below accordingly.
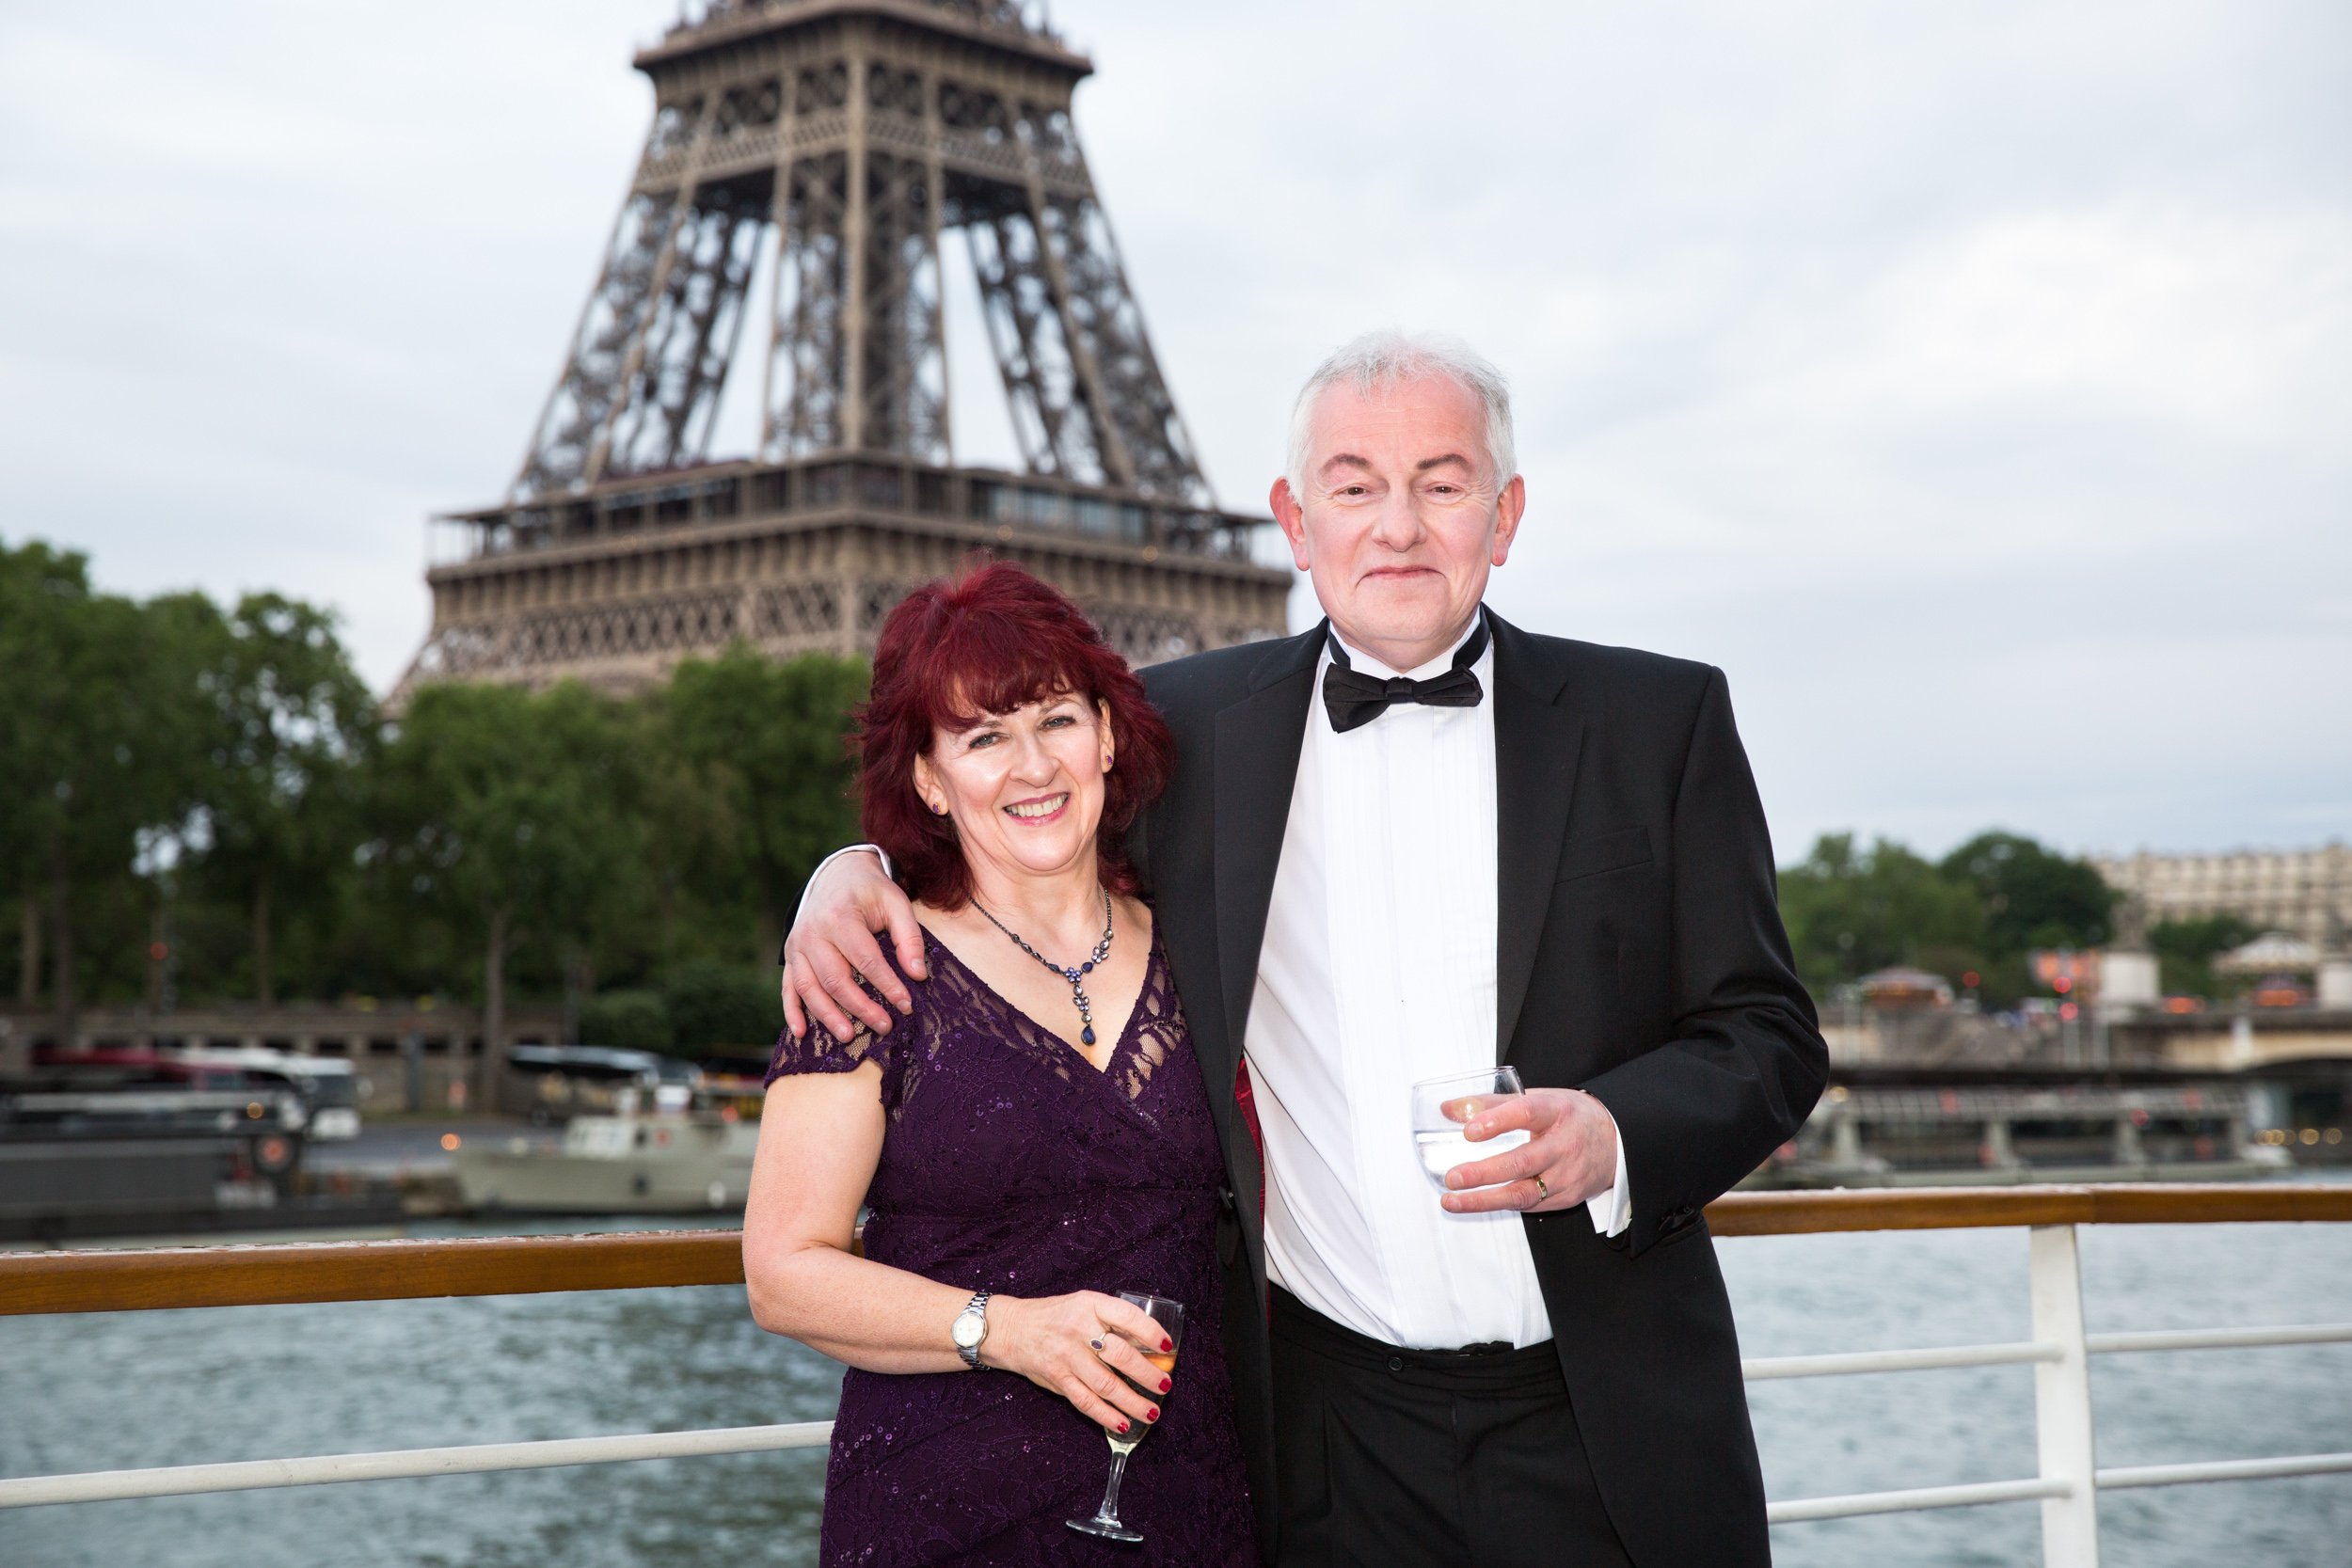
(1087, 1034)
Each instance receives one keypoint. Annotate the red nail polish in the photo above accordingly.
(1168, 1344)
(1166, 1386)
(1123, 1426)
(1152, 1413)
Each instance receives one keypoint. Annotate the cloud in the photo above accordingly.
(1970, 383)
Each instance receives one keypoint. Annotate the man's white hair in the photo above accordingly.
(1379, 360)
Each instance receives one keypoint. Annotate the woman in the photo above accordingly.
(1032, 1139)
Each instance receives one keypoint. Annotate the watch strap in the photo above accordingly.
(975, 1308)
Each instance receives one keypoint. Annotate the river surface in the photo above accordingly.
(125, 1390)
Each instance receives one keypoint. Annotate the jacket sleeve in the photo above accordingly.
(1746, 1060)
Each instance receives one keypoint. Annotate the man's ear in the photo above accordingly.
(1290, 516)
(1510, 507)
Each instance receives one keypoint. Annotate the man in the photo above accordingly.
(1417, 841)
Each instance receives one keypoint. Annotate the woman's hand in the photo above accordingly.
(1049, 1341)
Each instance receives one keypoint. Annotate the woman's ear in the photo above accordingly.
(1109, 737)
(927, 786)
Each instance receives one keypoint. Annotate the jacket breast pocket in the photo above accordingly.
(1595, 853)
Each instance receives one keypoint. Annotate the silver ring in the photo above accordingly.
(1543, 1189)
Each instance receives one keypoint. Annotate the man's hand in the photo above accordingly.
(832, 944)
(1572, 1146)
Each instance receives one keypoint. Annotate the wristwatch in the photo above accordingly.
(970, 1330)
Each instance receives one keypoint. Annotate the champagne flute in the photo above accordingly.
(1169, 1315)
(1442, 1106)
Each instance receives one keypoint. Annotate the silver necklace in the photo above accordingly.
(1074, 974)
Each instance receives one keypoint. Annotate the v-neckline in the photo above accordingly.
(1126, 1030)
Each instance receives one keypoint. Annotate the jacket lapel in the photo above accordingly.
(1537, 742)
(1257, 764)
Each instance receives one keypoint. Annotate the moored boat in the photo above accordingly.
(680, 1157)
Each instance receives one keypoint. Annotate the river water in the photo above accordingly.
(132, 1389)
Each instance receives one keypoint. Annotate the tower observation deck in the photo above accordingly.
(831, 147)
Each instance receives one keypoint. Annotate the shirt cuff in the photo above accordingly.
(1613, 1210)
(873, 849)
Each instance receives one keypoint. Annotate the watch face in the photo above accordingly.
(967, 1329)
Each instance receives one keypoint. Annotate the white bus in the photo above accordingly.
(330, 1088)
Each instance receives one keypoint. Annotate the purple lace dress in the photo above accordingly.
(1010, 1163)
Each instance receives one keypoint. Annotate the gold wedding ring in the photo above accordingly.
(1543, 1189)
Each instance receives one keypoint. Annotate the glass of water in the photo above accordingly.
(1442, 1106)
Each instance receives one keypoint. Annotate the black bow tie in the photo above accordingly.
(1354, 699)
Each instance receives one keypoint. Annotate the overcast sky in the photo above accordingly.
(1973, 383)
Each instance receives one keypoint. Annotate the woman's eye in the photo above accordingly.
(1058, 721)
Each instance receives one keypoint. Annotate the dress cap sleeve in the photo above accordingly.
(821, 1050)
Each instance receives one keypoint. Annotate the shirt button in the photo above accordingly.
(1396, 1363)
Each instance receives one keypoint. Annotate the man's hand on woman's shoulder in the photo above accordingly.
(849, 901)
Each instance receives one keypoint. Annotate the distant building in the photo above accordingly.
(1904, 989)
(2300, 892)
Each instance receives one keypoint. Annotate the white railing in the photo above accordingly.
(2059, 1352)
(253, 1475)
(2067, 1485)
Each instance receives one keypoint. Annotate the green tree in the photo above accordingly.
(2186, 950)
(1850, 912)
(294, 727)
(712, 1004)
(38, 587)
(768, 741)
(100, 743)
(2032, 896)
(628, 1020)
(507, 811)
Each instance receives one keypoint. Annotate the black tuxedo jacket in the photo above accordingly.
(1641, 957)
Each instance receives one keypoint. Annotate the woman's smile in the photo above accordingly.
(1039, 808)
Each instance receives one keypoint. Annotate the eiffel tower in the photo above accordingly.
(839, 140)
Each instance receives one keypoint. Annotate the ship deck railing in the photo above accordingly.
(2067, 1484)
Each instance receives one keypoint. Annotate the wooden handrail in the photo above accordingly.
(1789, 1213)
(137, 1280)
(107, 1281)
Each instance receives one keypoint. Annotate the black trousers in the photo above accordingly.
(1393, 1458)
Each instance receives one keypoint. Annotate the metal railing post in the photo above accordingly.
(2062, 1402)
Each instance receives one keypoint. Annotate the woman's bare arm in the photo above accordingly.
(821, 1138)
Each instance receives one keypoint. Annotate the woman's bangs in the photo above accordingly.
(986, 664)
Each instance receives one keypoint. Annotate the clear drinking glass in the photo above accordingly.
(1169, 1315)
(1442, 1106)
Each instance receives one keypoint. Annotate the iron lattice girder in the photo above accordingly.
(859, 133)
(614, 583)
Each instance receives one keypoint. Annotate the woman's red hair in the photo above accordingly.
(986, 643)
